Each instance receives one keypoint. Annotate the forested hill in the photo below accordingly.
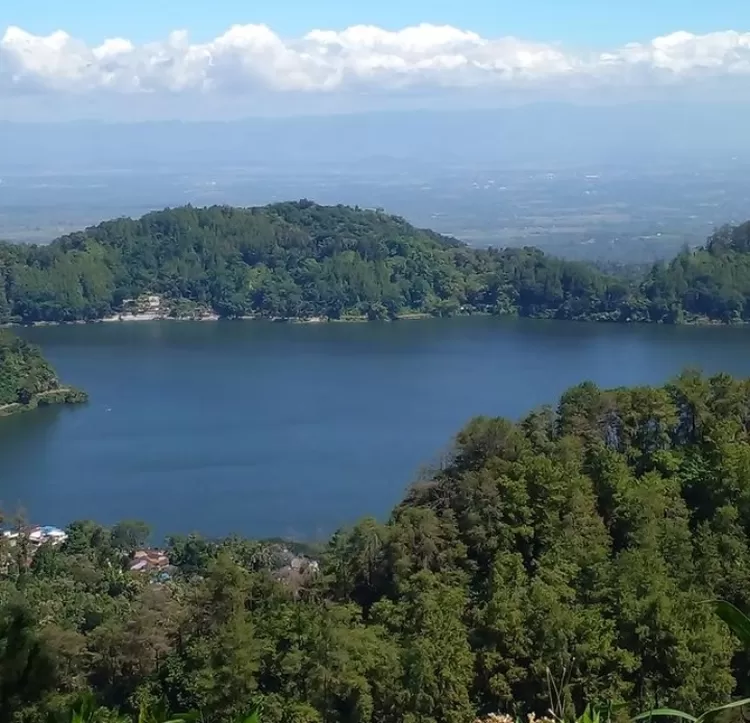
(27, 379)
(710, 283)
(584, 540)
(302, 260)
(292, 260)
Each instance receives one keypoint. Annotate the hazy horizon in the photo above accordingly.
(628, 181)
(548, 133)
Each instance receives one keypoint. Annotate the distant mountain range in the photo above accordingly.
(550, 134)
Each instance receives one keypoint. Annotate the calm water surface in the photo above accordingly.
(269, 429)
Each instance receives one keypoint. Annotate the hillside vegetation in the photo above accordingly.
(301, 260)
(26, 377)
(293, 260)
(711, 283)
(23, 370)
(585, 538)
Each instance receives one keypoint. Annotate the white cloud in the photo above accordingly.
(249, 58)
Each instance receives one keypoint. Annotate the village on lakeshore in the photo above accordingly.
(37, 536)
(153, 307)
(286, 566)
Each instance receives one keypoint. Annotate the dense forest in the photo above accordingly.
(583, 540)
(710, 283)
(27, 379)
(291, 260)
(302, 260)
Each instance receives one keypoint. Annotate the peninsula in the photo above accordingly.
(27, 380)
(303, 261)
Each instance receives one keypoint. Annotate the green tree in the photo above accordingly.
(130, 535)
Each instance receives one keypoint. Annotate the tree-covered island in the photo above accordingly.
(305, 261)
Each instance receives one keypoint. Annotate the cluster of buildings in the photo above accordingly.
(144, 304)
(150, 561)
(293, 570)
(288, 567)
(37, 536)
(145, 308)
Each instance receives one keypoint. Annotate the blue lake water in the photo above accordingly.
(272, 429)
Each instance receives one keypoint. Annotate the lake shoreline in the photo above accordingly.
(141, 318)
(410, 316)
(63, 396)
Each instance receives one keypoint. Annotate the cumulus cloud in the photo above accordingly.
(361, 58)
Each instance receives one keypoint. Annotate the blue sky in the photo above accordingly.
(592, 23)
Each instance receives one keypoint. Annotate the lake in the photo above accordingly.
(273, 429)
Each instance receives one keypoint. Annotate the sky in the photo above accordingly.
(593, 23)
(161, 57)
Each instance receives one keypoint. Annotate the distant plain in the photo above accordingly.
(608, 184)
